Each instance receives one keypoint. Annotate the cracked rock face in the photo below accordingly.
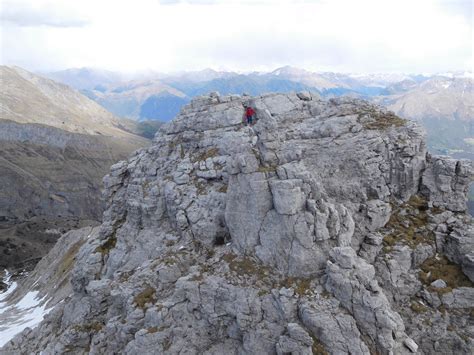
(320, 229)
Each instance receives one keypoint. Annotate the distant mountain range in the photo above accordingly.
(445, 107)
(160, 96)
(139, 100)
(442, 102)
(86, 78)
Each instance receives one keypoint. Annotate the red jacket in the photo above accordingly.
(250, 112)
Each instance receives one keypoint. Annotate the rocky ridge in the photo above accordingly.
(324, 228)
(29, 98)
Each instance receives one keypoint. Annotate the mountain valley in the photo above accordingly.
(56, 146)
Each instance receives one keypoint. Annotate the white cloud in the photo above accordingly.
(342, 35)
(39, 13)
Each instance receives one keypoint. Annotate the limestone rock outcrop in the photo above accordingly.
(320, 229)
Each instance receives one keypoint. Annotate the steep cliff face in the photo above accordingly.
(325, 227)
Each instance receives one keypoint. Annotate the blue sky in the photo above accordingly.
(244, 35)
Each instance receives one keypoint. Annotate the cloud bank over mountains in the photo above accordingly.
(168, 35)
(48, 14)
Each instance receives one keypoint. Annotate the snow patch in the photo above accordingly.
(27, 312)
(4, 296)
(11, 286)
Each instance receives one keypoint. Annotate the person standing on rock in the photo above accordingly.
(249, 113)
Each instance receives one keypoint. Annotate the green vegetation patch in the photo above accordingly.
(166, 344)
(173, 144)
(381, 120)
(157, 329)
(124, 276)
(244, 266)
(210, 153)
(267, 169)
(145, 297)
(318, 348)
(170, 260)
(201, 187)
(417, 307)
(68, 259)
(197, 277)
(408, 225)
(109, 244)
(300, 285)
(93, 327)
(435, 268)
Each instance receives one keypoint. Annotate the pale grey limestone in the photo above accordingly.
(270, 239)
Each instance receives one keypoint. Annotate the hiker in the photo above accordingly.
(249, 113)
